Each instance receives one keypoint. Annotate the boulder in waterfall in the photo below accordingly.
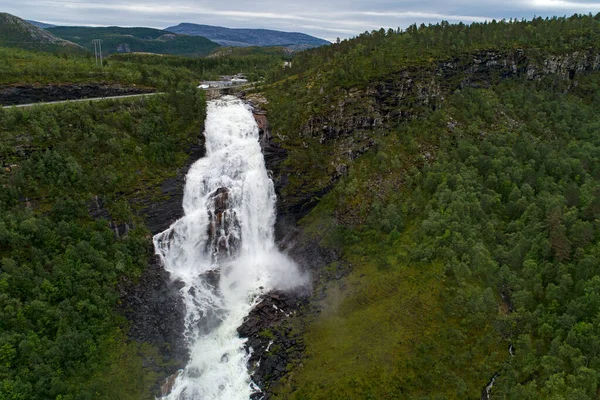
(223, 228)
(167, 387)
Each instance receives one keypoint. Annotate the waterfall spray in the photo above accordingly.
(224, 252)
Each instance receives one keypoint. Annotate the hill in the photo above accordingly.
(42, 25)
(249, 37)
(16, 32)
(446, 184)
(126, 40)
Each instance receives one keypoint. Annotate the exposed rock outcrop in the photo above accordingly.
(27, 94)
(123, 48)
(223, 240)
(272, 343)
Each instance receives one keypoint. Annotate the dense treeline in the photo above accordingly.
(117, 39)
(517, 211)
(60, 337)
(358, 60)
(256, 63)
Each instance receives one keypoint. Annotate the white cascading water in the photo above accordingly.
(224, 252)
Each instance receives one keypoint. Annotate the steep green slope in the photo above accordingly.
(461, 187)
(125, 40)
(16, 32)
(493, 243)
(60, 337)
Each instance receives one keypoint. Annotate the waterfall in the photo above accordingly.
(223, 251)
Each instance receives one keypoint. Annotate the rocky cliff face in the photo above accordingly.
(353, 118)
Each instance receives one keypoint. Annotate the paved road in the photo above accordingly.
(91, 99)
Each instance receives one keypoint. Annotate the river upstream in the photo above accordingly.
(224, 252)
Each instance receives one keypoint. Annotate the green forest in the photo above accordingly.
(470, 225)
(23, 66)
(491, 245)
(373, 54)
(60, 337)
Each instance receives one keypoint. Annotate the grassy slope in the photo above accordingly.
(138, 39)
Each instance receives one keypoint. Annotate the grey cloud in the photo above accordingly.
(326, 19)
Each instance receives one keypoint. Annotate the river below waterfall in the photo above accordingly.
(223, 251)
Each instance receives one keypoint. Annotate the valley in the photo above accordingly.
(406, 214)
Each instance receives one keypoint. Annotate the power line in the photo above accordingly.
(98, 50)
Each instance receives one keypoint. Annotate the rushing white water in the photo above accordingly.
(224, 252)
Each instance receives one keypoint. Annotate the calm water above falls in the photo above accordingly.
(224, 252)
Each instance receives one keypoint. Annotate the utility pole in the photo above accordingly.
(95, 51)
(98, 50)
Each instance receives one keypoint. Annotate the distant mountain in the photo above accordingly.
(16, 32)
(42, 25)
(126, 40)
(249, 37)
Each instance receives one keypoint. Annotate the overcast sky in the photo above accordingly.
(327, 19)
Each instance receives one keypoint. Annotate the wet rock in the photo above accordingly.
(159, 215)
(223, 229)
(212, 278)
(274, 345)
(167, 387)
(156, 314)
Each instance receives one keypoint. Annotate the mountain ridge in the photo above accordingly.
(244, 37)
(39, 24)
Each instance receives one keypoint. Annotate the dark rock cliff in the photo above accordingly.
(275, 342)
(272, 343)
(27, 94)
